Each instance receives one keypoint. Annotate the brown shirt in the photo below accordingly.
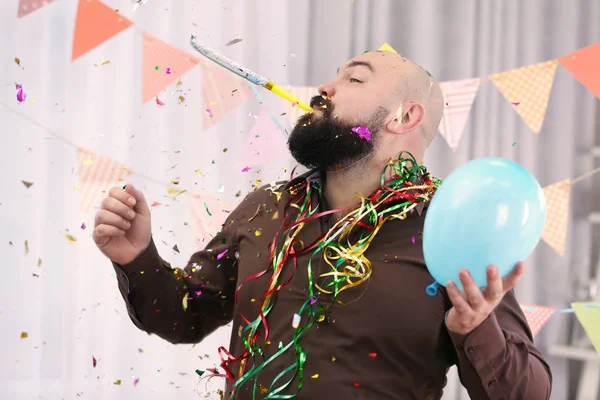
(392, 343)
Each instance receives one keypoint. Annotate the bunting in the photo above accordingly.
(96, 23)
(266, 143)
(528, 90)
(162, 65)
(304, 93)
(458, 99)
(588, 315)
(29, 6)
(584, 65)
(537, 316)
(387, 47)
(208, 215)
(222, 92)
(557, 215)
(97, 174)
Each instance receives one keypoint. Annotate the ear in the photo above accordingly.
(411, 116)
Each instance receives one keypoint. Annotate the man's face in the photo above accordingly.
(359, 96)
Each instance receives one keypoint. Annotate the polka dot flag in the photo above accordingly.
(537, 316)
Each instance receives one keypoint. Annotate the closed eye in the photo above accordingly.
(353, 80)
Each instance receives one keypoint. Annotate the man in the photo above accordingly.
(370, 329)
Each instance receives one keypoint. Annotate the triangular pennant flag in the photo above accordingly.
(557, 215)
(266, 143)
(458, 99)
(588, 315)
(222, 92)
(97, 174)
(162, 65)
(584, 65)
(208, 214)
(537, 316)
(528, 90)
(387, 47)
(29, 6)
(96, 23)
(304, 93)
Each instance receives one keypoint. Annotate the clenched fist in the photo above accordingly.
(122, 227)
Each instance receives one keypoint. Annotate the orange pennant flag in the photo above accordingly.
(96, 23)
(97, 174)
(584, 65)
(162, 65)
(208, 214)
(29, 6)
(557, 215)
(537, 316)
(304, 93)
(528, 90)
(222, 92)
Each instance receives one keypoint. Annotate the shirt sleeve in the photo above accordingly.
(184, 305)
(498, 359)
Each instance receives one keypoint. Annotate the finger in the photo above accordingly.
(472, 291)
(105, 217)
(141, 205)
(117, 207)
(107, 231)
(121, 195)
(458, 300)
(511, 280)
(495, 287)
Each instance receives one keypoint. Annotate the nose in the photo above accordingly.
(327, 89)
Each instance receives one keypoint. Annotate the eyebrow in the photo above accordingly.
(353, 64)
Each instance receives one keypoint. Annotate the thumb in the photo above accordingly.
(141, 206)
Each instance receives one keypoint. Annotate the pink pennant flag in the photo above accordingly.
(304, 93)
(97, 174)
(537, 316)
(266, 143)
(557, 215)
(584, 65)
(458, 100)
(162, 65)
(208, 214)
(222, 92)
(29, 6)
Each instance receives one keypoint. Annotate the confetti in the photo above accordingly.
(136, 381)
(333, 358)
(207, 210)
(105, 62)
(168, 71)
(356, 384)
(221, 255)
(21, 96)
(26, 247)
(179, 83)
(363, 132)
(221, 188)
(184, 302)
(160, 103)
(83, 226)
(232, 42)
(225, 150)
(94, 362)
(18, 62)
(208, 112)
(39, 263)
(70, 238)
(315, 376)
(27, 184)
(137, 4)
(413, 240)
(252, 115)
(176, 249)
(117, 382)
(296, 321)
(514, 144)
(372, 355)
(199, 372)
(246, 169)
(516, 103)
(155, 204)
(181, 99)
(24, 335)
(257, 232)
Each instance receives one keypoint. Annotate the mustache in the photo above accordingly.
(323, 102)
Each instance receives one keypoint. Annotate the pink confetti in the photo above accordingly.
(363, 132)
(155, 204)
(413, 240)
(222, 254)
(313, 300)
(246, 169)
(168, 71)
(160, 103)
(136, 381)
(83, 225)
(516, 103)
(208, 112)
(21, 95)
(198, 292)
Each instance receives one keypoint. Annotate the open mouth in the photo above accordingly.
(320, 103)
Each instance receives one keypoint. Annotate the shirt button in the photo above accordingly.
(492, 383)
(471, 349)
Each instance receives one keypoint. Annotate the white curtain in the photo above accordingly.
(70, 306)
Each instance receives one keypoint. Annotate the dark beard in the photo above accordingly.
(329, 144)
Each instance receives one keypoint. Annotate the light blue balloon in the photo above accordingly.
(489, 211)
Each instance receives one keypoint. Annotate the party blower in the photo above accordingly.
(246, 73)
(489, 211)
